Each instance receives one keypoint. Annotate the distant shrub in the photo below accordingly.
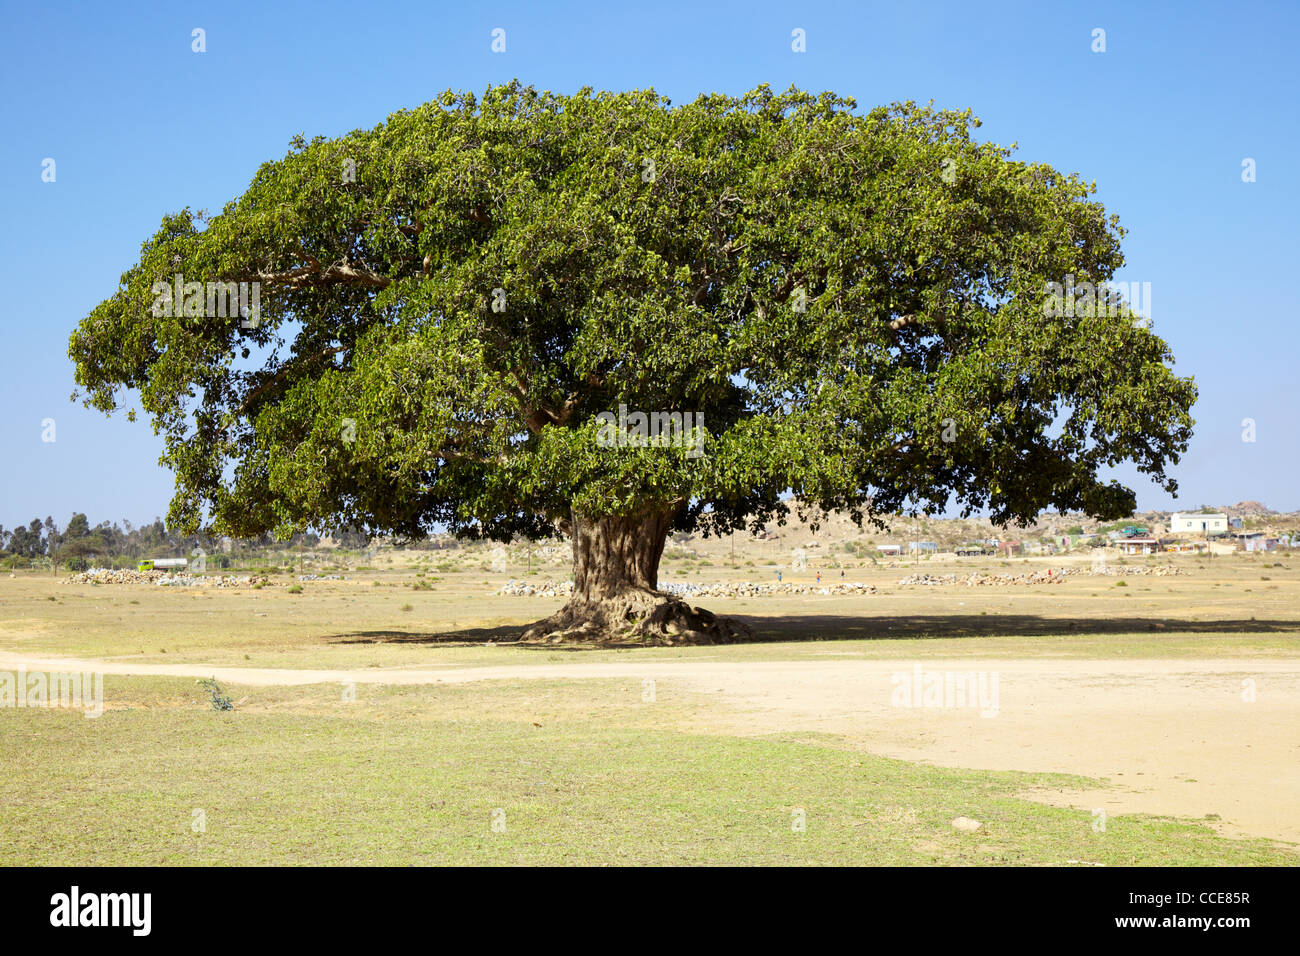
(219, 700)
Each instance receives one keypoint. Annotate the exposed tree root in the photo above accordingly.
(636, 615)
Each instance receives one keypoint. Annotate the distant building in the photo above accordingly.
(889, 550)
(1140, 546)
(1182, 522)
(925, 547)
(1256, 541)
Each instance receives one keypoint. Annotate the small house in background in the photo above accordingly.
(1182, 522)
(1009, 548)
(1236, 522)
(1140, 546)
(1256, 541)
(889, 550)
(925, 547)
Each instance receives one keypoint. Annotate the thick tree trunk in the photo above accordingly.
(615, 596)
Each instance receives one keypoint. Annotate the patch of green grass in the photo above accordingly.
(585, 774)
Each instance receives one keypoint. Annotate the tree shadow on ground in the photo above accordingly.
(837, 627)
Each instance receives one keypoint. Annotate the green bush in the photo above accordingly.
(219, 700)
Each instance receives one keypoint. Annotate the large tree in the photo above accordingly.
(854, 302)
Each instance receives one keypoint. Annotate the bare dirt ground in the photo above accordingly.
(1173, 737)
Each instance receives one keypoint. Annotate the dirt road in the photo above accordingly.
(1178, 737)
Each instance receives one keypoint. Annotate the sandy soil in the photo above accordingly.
(1174, 737)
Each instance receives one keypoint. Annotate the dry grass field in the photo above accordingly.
(391, 717)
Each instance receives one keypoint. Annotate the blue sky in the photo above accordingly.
(139, 125)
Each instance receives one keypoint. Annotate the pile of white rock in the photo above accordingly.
(1049, 576)
(179, 581)
(746, 589)
(115, 576)
(214, 581)
(164, 579)
(1053, 576)
(547, 589)
(1124, 570)
(717, 589)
